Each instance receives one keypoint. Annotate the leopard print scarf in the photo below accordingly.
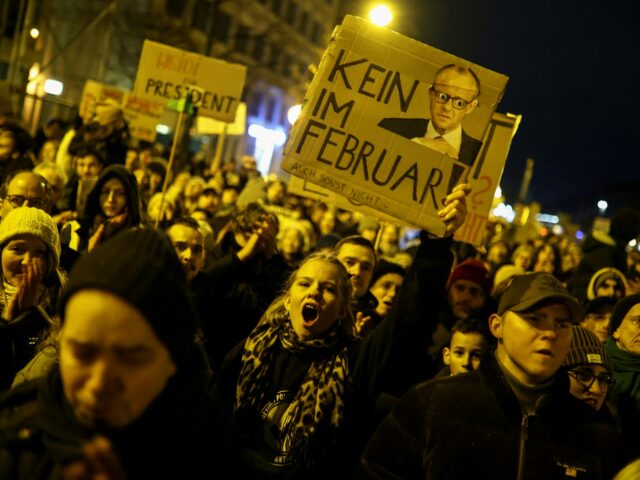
(321, 394)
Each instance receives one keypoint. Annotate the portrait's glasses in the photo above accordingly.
(457, 102)
(587, 377)
(18, 201)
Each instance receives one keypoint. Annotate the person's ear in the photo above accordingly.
(471, 106)
(496, 325)
(287, 303)
(446, 355)
(616, 334)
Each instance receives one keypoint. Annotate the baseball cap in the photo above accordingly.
(528, 290)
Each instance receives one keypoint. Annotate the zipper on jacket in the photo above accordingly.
(524, 436)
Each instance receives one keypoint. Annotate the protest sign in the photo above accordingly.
(364, 129)
(168, 73)
(209, 126)
(485, 176)
(141, 115)
(304, 188)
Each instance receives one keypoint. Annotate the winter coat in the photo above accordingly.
(18, 341)
(178, 436)
(471, 426)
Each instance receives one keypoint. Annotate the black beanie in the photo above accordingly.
(586, 349)
(620, 311)
(141, 267)
(383, 267)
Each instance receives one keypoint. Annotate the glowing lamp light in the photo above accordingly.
(293, 113)
(380, 15)
(546, 218)
(34, 32)
(53, 87)
(579, 235)
(263, 134)
(34, 71)
(266, 141)
(557, 230)
(633, 242)
(162, 129)
(498, 193)
(602, 204)
(504, 211)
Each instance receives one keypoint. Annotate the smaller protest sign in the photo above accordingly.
(167, 73)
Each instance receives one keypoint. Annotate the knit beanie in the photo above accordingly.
(141, 267)
(31, 221)
(383, 267)
(474, 271)
(586, 349)
(620, 311)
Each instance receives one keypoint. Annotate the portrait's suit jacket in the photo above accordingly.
(417, 127)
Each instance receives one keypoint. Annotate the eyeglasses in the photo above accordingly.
(587, 377)
(457, 102)
(18, 201)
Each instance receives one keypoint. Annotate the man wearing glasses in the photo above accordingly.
(453, 95)
(24, 188)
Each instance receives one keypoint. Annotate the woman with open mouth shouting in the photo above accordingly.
(301, 387)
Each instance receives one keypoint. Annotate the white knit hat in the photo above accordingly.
(31, 221)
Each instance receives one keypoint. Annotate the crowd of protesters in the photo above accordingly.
(225, 326)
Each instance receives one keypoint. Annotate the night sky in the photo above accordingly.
(574, 69)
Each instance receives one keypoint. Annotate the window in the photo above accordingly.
(243, 39)
(291, 12)
(259, 49)
(254, 104)
(201, 15)
(303, 26)
(269, 108)
(175, 8)
(221, 26)
(316, 33)
(276, 6)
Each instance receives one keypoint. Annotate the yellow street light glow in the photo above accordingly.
(34, 32)
(380, 15)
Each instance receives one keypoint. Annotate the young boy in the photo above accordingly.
(467, 346)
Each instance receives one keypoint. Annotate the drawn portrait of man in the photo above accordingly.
(452, 96)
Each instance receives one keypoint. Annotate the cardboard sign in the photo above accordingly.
(168, 73)
(141, 115)
(304, 188)
(485, 176)
(209, 126)
(364, 130)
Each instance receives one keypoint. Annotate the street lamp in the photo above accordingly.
(602, 206)
(380, 15)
